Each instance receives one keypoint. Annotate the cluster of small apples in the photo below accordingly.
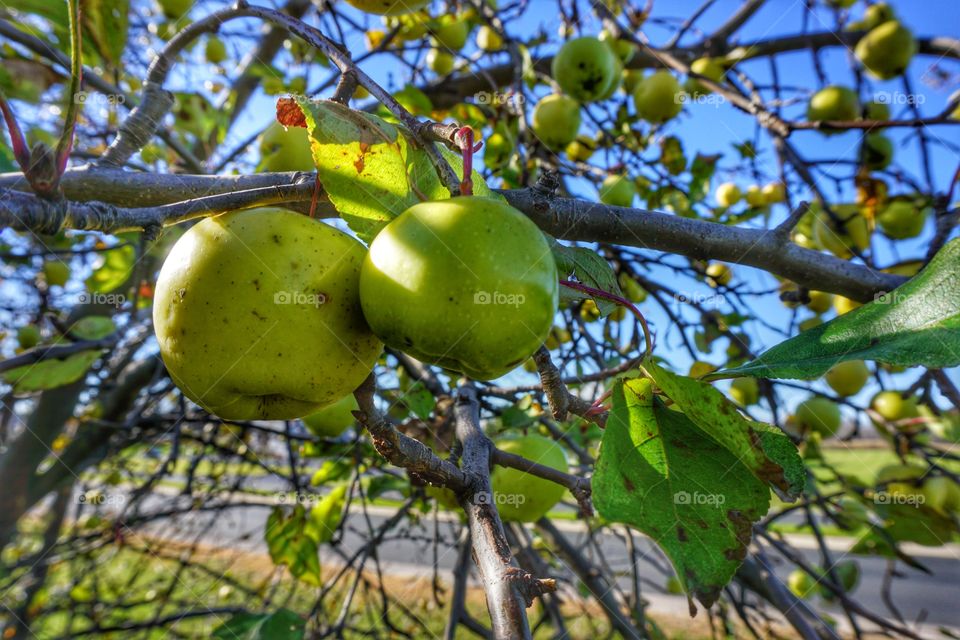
(917, 485)
(887, 48)
(729, 194)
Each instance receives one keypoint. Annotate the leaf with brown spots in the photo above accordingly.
(764, 449)
(657, 472)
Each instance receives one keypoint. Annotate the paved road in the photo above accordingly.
(933, 599)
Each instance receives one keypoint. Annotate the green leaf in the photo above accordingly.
(49, 374)
(764, 449)
(280, 625)
(290, 543)
(106, 23)
(590, 268)
(92, 328)
(658, 473)
(376, 486)
(419, 400)
(325, 516)
(114, 268)
(330, 471)
(370, 168)
(916, 324)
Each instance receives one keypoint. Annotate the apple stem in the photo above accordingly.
(600, 293)
(465, 136)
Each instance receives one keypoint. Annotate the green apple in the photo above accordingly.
(707, 67)
(467, 283)
(848, 573)
(848, 377)
(755, 197)
(581, 149)
(727, 194)
(283, 149)
(818, 414)
(719, 274)
(876, 152)
(488, 39)
(833, 103)
(801, 583)
(520, 496)
(632, 289)
(820, 301)
(774, 192)
(892, 406)
(56, 273)
(451, 31)
(440, 62)
(28, 336)
(902, 219)
(388, 7)
(854, 234)
(215, 51)
(497, 149)
(257, 314)
(585, 68)
(875, 110)
(658, 97)
(175, 9)
(334, 419)
(941, 493)
(617, 191)
(745, 391)
(622, 48)
(886, 50)
(556, 120)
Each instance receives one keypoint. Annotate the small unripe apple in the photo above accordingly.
(488, 39)
(774, 193)
(727, 194)
(755, 197)
(478, 264)
(585, 68)
(848, 377)
(658, 97)
(719, 274)
(902, 219)
(581, 149)
(440, 62)
(617, 191)
(56, 273)
(844, 305)
(497, 149)
(848, 573)
(833, 103)
(388, 7)
(818, 414)
(700, 368)
(283, 149)
(257, 315)
(632, 289)
(854, 234)
(520, 496)
(892, 406)
(874, 110)
(876, 153)
(215, 51)
(556, 120)
(942, 494)
(801, 583)
(451, 32)
(745, 391)
(708, 68)
(332, 420)
(842, 4)
(820, 301)
(886, 50)
(28, 336)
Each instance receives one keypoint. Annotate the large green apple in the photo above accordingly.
(520, 496)
(833, 103)
(257, 314)
(585, 68)
(388, 7)
(902, 219)
(658, 97)
(333, 420)
(818, 414)
(617, 191)
(283, 149)
(854, 234)
(848, 377)
(556, 120)
(886, 50)
(467, 283)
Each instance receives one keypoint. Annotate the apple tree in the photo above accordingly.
(593, 301)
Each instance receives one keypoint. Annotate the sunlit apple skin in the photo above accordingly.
(774, 193)
(801, 583)
(617, 191)
(886, 50)
(719, 274)
(488, 39)
(728, 194)
(333, 420)
(522, 497)
(942, 494)
(585, 68)
(855, 233)
(820, 301)
(893, 406)
(755, 197)
(847, 378)
(818, 414)
(658, 97)
(466, 283)
(902, 219)
(876, 153)
(257, 315)
(440, 62)
(283, 149)
(833, 103)
(388, 7)
(708, 68)
(451, 33)
(556, 120)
